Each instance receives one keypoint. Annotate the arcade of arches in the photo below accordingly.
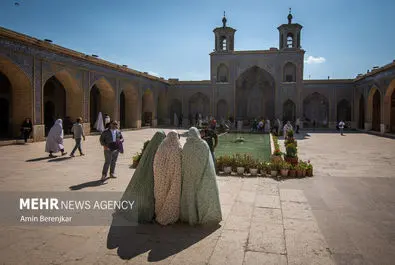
(63, 98)
(254, 94)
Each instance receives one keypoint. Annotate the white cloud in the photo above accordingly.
(313, 60)
(154, 74)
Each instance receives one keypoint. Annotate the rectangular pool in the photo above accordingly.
(257, 145)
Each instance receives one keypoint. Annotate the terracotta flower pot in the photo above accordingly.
(309, 172)
(292, 173)
(299, 173)
(284, 172)
(304, 173)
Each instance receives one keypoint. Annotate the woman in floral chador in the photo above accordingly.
(199, 193)
(167, 179)
(141, 186)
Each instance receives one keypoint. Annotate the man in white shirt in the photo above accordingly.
(341, 127)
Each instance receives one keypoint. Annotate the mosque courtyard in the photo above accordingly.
(345, 214)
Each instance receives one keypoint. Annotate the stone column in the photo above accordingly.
(38, 127)
(140, 105)
(117, 99)
(86, 117)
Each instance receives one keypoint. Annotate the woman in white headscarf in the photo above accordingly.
(167, 179)
(54, 142)
(99, 125)
(199, 193)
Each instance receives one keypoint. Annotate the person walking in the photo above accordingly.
(26, 129)
(107, 121)
(210, 137)
(111, 139)
(341, 127)
(78, 134)
(297, 124)
(54, 142)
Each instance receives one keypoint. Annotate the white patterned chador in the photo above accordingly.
(167, 179)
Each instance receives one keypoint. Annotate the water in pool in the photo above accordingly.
(258, 145)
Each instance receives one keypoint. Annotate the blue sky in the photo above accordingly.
(174, 38)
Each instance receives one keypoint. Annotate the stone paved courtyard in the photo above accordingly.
(345, 214)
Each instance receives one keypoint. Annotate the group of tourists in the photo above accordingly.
(111, 139)
(172, 183)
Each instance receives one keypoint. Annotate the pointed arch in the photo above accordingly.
(316, 110)
(222, 73)
(289, 72)
(16, 97)
(255, 94)
(199, 103)
(344, 111)
(64, 93)
(289, 110)
(374, 108)
(129, 106)
(148, 108)
(389, 106)
(102, 99)
(175, 108)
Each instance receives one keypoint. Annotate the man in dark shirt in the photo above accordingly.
(210, 136)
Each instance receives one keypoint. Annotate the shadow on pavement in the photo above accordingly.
(161, 241)
(38, 159)
(88, 184)
(60, 159)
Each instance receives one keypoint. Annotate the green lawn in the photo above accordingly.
(258, 145)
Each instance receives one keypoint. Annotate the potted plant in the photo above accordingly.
(309, 169)
(274, 167)
(239, 163)
(291, 154)
(290, 134)
(227, 164)
(299, 170)
(284, 167)
(303, 165)
(253, 167)
(219, 163)
(292, 171)
(264, 168)
(136, 159)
